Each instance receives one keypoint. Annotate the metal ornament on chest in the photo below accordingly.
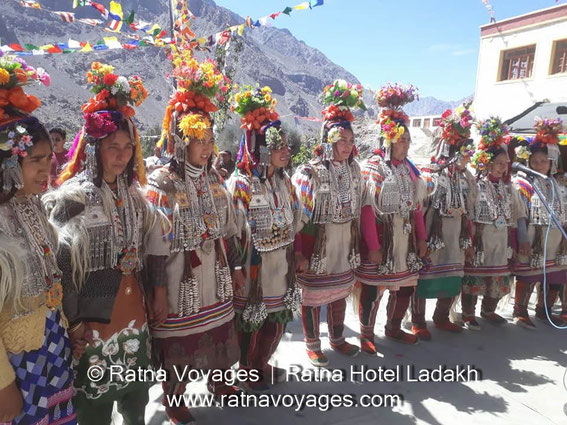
(398, 193)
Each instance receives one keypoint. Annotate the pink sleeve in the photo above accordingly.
(419, 223)
(368, 228)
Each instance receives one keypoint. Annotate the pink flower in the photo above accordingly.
(43, 77)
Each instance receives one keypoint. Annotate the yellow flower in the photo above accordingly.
(234, 86)
(266, 89)
(4, 76)
(194, 126)
(238, 97)
(106, 69)
(267, 98)
(247, 94)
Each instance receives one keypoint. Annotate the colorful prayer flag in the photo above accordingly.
(92, 22)
(302, 6)
(31, 4)
(66, 16)
(87, 48)
(102, 10)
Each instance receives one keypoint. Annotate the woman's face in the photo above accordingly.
(343, 147)
(199, 151)
(499, 165)
(116, 151)
(401, 147)
(280, 157)
(36, 167)
(540, 162)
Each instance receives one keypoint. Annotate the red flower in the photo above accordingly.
(109, 79)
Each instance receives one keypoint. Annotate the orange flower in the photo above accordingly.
(21, 75)
(4, 76)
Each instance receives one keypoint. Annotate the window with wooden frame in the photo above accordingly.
(517, 63)
(559, 64)
(417, 123)
(427, 123)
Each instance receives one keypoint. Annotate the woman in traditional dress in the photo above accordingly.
(447, 223)
(197, 294)
(541, 155)
(393, 230)
(495, 212)
(103, 217)
(36, 379)
(332, 193)
(267, 213)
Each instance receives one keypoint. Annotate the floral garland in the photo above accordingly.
(341, 96)
(392, 97)
(15, 73)
(548, 130)
(456, 124)
(255, 106)
(113, 91)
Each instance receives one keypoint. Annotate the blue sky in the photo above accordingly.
(432, 44)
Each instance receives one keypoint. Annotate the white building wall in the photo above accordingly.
(508, 98)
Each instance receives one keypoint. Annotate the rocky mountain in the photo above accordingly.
(269, 56)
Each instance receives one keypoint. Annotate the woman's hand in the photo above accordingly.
(375, 257)
(11, 402)
(301, 263)
(524, 249)
(159, 308)
(238, 281)
(421, 248)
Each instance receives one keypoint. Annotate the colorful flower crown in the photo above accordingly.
(395, 96)
(274, 139)
(15, 73)
(523, 153)
(456, 125)
(340, 97)
(548, 130)
(17, 140)
(481, 159)
(392, 97)
(114, 97)
(113, 92)
(198, 84)
(255, 106)
(493, 133)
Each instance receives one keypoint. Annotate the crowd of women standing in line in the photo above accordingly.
(183, 268)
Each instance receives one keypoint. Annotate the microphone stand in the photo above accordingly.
(548, 208)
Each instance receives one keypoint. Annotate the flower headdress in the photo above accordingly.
(187, 115)
(339, 97)
(548, 130)
(15, 107)
(455, 133)
(112, 103)
(494, 137)
(258, 118)
(391, 98)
